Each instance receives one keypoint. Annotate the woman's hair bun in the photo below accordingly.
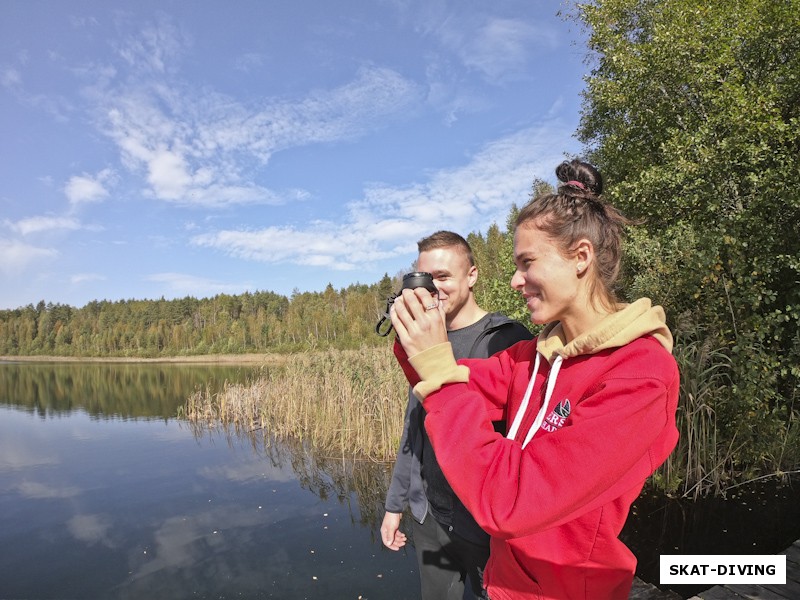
(581, 175)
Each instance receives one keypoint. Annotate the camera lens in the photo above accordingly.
(419, 279)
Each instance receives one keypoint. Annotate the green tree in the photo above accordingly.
(692, 111)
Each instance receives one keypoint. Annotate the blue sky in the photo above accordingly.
(194, 148)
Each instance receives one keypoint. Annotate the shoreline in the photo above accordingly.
(198, 359)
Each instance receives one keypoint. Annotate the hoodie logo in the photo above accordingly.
(558, 416)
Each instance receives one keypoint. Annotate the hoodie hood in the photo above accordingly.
(630, 322)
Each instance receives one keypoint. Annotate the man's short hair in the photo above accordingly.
(446, 239)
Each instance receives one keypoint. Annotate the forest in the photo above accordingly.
(224, 324)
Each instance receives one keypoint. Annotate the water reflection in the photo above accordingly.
(128, 390)
(344, 478)
(112, 497)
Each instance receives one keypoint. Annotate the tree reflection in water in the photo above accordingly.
(357, 482)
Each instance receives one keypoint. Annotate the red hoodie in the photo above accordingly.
(555, 505)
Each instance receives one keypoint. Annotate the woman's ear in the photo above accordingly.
(584, 255)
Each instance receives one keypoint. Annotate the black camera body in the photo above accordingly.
(410, 281)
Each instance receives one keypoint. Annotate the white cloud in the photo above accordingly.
(83, 22)
(182, 541)
(388, 220)
(16, 256)
(87, 188)
(322, 245)
(168, 174)
(43, 224)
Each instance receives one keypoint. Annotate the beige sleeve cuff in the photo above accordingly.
(436, 366)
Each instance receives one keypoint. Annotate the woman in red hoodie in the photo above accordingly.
(590, 404)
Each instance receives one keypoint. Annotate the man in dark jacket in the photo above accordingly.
(451, 548)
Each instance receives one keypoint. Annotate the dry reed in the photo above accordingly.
(342, 402)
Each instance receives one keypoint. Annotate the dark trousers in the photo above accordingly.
(450, 567)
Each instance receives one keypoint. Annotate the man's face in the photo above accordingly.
(452, 275)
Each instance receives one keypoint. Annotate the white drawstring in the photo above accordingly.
(512, 432)
(551, 384)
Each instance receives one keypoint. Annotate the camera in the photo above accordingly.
(418, 279)
(410, 281)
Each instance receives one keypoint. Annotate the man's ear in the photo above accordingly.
(472, 276)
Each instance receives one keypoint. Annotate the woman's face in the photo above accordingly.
(547, 280)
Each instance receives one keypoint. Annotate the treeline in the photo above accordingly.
(248, 322)
(236, 324)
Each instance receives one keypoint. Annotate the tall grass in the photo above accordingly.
(698, 465)
(719, 428)
(343, 402)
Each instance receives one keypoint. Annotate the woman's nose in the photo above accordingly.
(517, 280)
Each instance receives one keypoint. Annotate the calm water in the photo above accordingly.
(104, 494)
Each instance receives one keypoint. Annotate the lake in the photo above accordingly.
(105, 494)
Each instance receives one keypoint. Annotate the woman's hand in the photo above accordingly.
(419, 320)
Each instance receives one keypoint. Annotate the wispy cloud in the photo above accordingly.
(388, 219)
(42, 224)
(196, 147)
(17, 454)
(16, 256)
(182, 284)
(156, 49)
(205, 152)
(11, 79)
(33, 489)
(260, 471)
(249, 62)
(500, 49)
(80, 278)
